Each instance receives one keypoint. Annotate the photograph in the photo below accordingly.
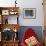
(29, 13)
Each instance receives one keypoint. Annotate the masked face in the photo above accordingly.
(31, 41)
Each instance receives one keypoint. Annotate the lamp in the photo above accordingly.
(15, 3)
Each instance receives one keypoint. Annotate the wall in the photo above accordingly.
(7, 3)
(27, 4)
(39, 13)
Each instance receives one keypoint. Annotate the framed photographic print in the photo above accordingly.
(5, 12)
(29, 13)
(12, 19)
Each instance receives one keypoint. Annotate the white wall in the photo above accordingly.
(39, 13)
(27, 4)
(7, 3)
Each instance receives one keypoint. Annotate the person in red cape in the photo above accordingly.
(30, 38)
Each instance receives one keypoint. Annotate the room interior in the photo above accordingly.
(17, 16)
